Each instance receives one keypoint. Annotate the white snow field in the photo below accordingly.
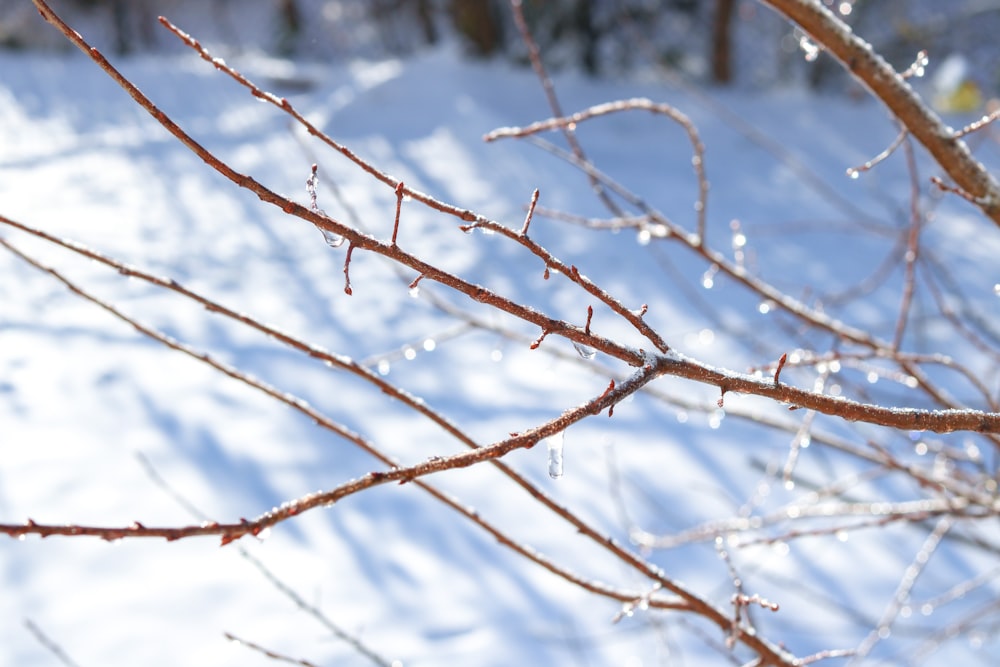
(100, 425)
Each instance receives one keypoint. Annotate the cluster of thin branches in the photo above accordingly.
(960, 491)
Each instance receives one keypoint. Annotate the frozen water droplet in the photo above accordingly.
(415, 291)
(996, 289)
(584, 351)
(383, 367)
(643, 237)
(332, 239)
(496, 355)
(715, 419)
(409, 353)
(429, 345)
(853, 174)
(708, 279)
(554, 446)
(809, 48)
(765, 307)
(872, 377)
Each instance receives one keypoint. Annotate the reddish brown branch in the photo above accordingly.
(858, 57)
(234, 531)
(573, 274)
(399, 207)
(635, 104)
(354, 236)
(538, 341)
(781, 364)
(347, 269)
(531, 212)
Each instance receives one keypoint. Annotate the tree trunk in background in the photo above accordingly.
(722, 68)
(477, 21)
(119, 16)
(290, 28)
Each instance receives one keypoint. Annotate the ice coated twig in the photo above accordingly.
(358, 239)
(854, 171)
(944, 421)
(281, 657)
(979, 124)
(863, 62)
(531, 212)
(635, 104)
(962, 498)
(232, 531)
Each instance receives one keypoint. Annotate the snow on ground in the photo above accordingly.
(88, 407)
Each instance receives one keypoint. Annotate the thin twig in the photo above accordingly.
(50, 645)
(912, 253)
(858, 57)
(274, 655)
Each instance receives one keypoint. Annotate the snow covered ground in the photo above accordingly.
(100, 425)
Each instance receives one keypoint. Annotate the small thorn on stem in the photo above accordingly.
(399, 206)
(611, 387)
(722, 397)
(531, 212)
(416, 280)
(590, 316)
(781, 364)
(347, 268)
(538, 341)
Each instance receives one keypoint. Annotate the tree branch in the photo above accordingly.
(858, 57)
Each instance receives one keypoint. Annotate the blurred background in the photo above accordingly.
(738, 43)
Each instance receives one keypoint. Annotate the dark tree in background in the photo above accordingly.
(722, 68)
(726, 42)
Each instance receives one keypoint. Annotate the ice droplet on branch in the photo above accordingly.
(554, 445)
(587, 353)
(809, 48)
(332, 239)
